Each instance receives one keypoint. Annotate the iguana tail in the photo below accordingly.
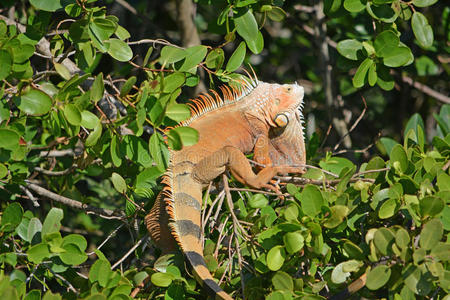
(183, 197)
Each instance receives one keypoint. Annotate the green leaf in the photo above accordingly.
(73, 255)
(246, 25)
(415, 280)
(75, 239)
(350, 49)
(282, 281)
(431, 206)
(311, 200)
(89, 120)
(236, 58)
(122, 33)
(425, 66)
(155, 144)
(258, 201)
(171, 54)
(175, 292)
(47, 5)
(385, 42)
(441, 251)
(115, 151)
(119, 183)
(388, 209)
(127, 86)
(372, 77)
(215, 59)
(62, 71)
(194, 56)
(383, 239)
(431, 234)
(276, 14)
(100, 272)
(338, 214)
(94, 135)
(381, 12)
(34, 102)
(10, 139)
(178, 112)
(414, 122)
(338, 275)
(52, 221)
(98, 88)
(352, 265)
(398, 154)
(275, 258)
(256, 45)
(12, 216)
(173, 81)
(378, 277)
(397, 57)
(34, 226)
(402, 238)
(72, 114)
(294, 242)
(353, 251)
(424, 3)
(3, 170)
(422, 30)
(186, 135)
(37, 253)
(384, 80)
(354, 5)
(119, 50)
(33, 295)
(162, 279)
(360, 75)
(6, 62)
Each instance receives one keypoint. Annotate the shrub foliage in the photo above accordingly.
(82, 147)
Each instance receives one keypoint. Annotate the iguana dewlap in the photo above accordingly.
(260, 117)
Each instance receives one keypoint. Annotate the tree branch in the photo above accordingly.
(102, 212)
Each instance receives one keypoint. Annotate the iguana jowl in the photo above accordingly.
(259, 117)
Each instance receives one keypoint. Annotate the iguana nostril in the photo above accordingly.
(281, 120)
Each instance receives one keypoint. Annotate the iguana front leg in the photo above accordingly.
(215, 164)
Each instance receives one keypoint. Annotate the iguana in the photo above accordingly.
(258, 117)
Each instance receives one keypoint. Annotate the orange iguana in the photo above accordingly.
(259, 117)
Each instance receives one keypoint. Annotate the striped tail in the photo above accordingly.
(184, 203)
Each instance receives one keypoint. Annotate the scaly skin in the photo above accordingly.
(261, 117)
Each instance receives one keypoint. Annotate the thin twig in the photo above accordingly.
(353, 126)
(144, 238)
(108, 238)
(157, 41)
(69, 285)
(231, 205)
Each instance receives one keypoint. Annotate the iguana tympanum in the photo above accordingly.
(258, 117)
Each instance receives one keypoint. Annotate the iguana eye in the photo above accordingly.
(281, 120)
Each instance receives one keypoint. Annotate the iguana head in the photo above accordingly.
(275, 104)
(279, 107)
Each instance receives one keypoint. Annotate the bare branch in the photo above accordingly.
(426, 89)
(30, 195)
(102, 212)
(56, 173)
